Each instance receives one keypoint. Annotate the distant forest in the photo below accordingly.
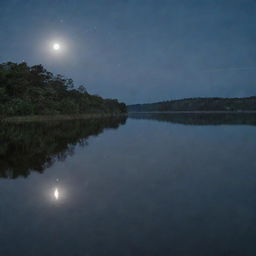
(33, 90)
(198, 104)
(199, 118)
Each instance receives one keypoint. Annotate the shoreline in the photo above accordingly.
(193, 112)
(43, 118)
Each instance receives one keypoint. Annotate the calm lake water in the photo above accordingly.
(154, 184)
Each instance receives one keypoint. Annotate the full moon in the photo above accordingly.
(56, 46)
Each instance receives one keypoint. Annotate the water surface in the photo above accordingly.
(148, 185)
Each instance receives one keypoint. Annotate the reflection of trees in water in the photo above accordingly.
(200, 118)
(27, 147)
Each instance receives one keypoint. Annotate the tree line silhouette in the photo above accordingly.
(33, 90)
(198, 104)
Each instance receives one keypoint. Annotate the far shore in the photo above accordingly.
(42, 118)
(195, 111)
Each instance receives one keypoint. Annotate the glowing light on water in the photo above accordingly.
(56, 193)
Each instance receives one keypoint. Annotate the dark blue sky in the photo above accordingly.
(138, 50)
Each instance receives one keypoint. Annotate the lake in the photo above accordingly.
(149, 184)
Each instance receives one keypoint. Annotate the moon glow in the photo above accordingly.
(56, 194)
(56, 46)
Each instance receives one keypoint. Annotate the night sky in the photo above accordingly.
(138, 50)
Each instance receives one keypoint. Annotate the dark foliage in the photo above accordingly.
(198, 104)
(33, 90)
